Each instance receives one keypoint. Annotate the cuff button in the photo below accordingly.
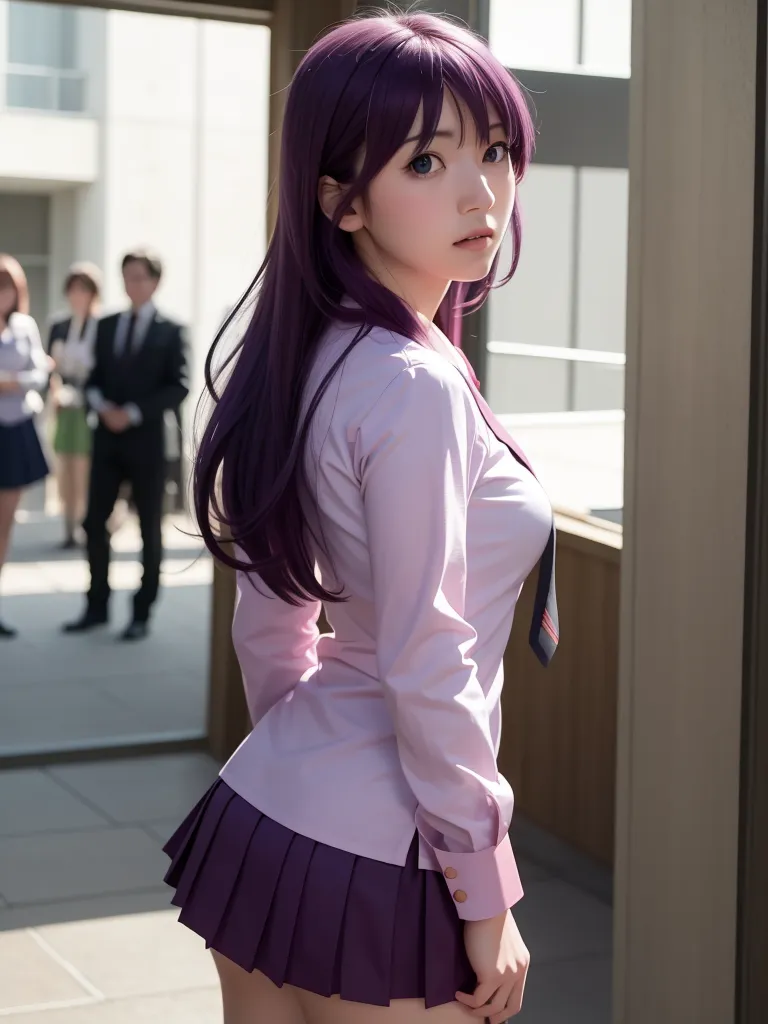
(450, 873)
(460, 896)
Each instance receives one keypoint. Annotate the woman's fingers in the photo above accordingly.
(488, 1000)
(514, 1003)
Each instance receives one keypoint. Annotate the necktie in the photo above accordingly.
(544, 632)
(130, 336)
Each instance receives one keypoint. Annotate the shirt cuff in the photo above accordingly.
(134, 413)
(96, 400)
(483, 884)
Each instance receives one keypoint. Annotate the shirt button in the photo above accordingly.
(460, 896)
(450, 872)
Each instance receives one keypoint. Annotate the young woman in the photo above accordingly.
(71, 346)
(351, 863)
(23, 374)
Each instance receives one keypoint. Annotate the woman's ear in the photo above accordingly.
(329, 194)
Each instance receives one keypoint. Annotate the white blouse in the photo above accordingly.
(74, 359)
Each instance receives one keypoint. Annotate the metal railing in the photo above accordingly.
(571, 355)
(32, 87)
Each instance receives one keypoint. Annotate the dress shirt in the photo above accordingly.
(73, 357)
(23, 359)
(391, 722)
(144, 317)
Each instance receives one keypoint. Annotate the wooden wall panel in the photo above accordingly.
(559, 724)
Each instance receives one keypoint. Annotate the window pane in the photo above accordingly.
(536, 33)
(602, 259)
(24, 224)
(536, 307)
(68, 39)
(30, 91)
(597, 387)
(42, 35)
(72, 95)
(606, 35)
(518, 384)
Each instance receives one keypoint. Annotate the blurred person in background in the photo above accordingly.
(139, 374)
(24, 369)
(71, 344)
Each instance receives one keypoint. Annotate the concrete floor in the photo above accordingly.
(60, 692)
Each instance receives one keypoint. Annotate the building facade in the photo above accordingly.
(123, 129)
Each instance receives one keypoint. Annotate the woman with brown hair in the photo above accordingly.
(23, 374)
(71, 345)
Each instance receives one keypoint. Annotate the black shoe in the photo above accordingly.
(6, 633)
(88, 620)
(69, 544)
(135, 631)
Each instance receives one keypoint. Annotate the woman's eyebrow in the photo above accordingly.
(447, 133)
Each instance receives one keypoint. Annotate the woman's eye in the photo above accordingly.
(497, 153)
(423, 164)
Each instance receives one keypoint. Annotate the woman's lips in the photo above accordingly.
(476, 243)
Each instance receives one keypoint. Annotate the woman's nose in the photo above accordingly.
(477, 194)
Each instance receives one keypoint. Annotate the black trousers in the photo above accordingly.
(137, 457)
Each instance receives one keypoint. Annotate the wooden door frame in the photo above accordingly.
(752, 901)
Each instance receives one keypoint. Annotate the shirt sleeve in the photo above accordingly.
(134, 413)
(35, 376)
(96, 399)
(416, 469)
(275, 643)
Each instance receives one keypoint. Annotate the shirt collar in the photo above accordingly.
(144, 313)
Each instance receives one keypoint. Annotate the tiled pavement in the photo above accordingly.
(61, 691)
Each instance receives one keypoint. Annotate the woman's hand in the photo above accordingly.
(500, 960)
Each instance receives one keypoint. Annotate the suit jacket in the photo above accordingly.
(392, 721)
(59, 332)
(154, 378)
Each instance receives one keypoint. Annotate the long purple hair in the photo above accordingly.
(357, 91)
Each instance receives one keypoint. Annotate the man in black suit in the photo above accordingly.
(140, 373)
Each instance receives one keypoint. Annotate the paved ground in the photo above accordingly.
(86, 936)
(58, 691)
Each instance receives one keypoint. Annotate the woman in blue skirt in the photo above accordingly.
(23, 375)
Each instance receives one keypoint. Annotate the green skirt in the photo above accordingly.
(73, 435)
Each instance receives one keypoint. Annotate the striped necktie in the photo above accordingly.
(544, 632)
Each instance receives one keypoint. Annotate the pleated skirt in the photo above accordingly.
(22, 461)
(312, 916)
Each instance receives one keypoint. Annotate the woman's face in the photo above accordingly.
(80, 298)
(8, 296)
(438, 216)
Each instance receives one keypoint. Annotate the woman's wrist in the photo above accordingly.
(490, 923)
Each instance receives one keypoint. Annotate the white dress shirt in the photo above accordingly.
(74, 357)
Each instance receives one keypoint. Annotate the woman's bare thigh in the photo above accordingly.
(253, 999)
(319, 1010)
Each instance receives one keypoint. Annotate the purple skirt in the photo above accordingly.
(312, 916)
